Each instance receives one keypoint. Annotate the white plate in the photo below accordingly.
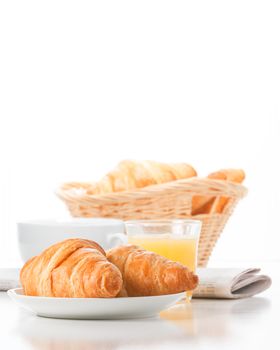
(95, 308)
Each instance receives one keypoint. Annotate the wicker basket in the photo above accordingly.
(165, 201)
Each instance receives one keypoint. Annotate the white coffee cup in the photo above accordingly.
(35, 236)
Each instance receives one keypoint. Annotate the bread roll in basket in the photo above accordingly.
(152, 190)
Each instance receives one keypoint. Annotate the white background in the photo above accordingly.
(84, 84)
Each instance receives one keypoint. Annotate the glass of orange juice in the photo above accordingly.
(176, 240)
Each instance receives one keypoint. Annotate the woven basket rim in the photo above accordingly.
(193, 186)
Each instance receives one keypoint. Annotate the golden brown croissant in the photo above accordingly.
(131, 174)
(146, 273)
(71, 268)
(203, 205)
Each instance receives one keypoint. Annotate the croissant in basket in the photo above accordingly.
(130, 175)
(205, 204)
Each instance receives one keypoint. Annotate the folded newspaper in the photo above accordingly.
(213, 282)
(230, 283)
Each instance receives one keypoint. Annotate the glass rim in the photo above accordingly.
(158, 222)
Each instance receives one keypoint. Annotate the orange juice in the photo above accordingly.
(180, 249)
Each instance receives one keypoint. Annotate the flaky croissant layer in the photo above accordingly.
(146, 273)
(74, 268)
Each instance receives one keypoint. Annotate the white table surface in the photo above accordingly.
(204, 324)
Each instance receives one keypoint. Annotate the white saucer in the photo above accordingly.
(95, 308)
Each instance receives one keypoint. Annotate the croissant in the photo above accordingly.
(131, 174)
(145, 273)
(203, 204)
(75, 268)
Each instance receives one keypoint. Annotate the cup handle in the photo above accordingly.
(116, 239)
